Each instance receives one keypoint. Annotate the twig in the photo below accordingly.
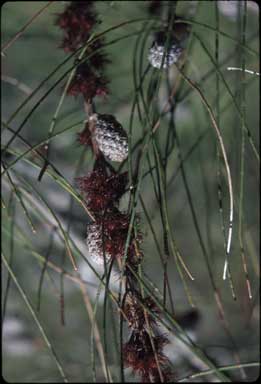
(16, 83)
(226, 368)
(95, 328)
(229, 179)
(243, 70)
(29, 305)
(20, 32)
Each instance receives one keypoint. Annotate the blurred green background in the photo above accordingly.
(26, 63)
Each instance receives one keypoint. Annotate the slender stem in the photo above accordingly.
(224, 154)
(242, 157)
(227, 368)
(37, 321)
(8, 44)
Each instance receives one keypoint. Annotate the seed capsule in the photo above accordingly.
(111, 138)
(94, 244)
(156, 52)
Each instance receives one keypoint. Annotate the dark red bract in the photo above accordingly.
(134, 310)
(87, 83)
(139, 355)
(84, 137)
(102, 191)
(77, 20)
(115, 230)
(108, 235)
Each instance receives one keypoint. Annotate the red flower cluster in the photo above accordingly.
(114, 230)
(77, 22)
(107, 236)
(134, 310)
(87, 83)
(102, 191)
(144, 355)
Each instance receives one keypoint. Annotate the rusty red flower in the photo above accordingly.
(108, 235)
(134, 310)
(115, 230)
(77, 20)
(139, 355)
(87, 83)
(103, 191)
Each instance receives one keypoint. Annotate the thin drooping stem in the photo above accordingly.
(237, 106)
(56, 113)
(48, 253)
(20, 199)
(221, 369)
(18, 34)
(242, 158)
(243, 70)
(224, 154)
(11, 213)
(36, 319)
(96, 332)
(220, 306)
